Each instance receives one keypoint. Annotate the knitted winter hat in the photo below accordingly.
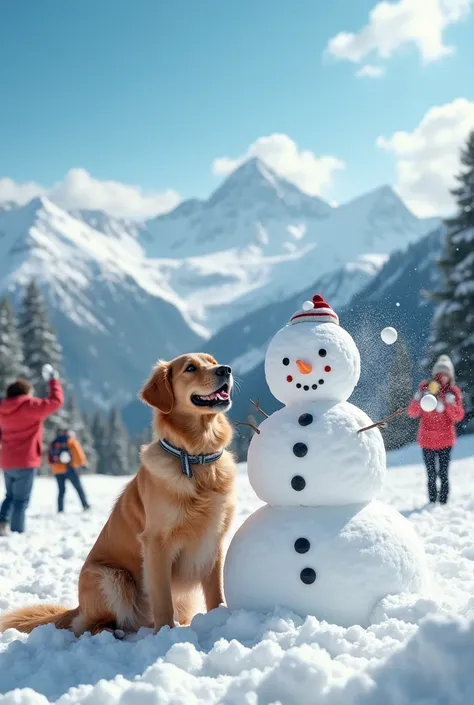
(315, 311)
(443, 365)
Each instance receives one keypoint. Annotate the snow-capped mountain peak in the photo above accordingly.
(252, 207)
(255, 181)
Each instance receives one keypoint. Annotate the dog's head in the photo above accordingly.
(193, 383)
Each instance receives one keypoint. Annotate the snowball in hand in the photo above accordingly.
(389, 335)
(428, 402)
(48, 372)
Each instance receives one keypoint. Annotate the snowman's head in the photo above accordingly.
(312, 358)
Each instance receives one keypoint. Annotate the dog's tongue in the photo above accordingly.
(219, 395)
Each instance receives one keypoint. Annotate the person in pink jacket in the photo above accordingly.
(437, 432)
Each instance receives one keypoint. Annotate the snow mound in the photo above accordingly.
(416, 651)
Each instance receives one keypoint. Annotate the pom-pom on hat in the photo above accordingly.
(315, 311)
(444, 365)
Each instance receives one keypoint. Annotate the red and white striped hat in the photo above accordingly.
(315, 311)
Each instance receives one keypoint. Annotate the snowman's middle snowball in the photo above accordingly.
(311, 455)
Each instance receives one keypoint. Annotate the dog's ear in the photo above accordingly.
(157, 392)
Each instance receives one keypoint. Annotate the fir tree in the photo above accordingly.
(11, 349)
(401, 430)
(76, 422)
(116, 455)
(453, 323)
(135, 445)
(99, 436)
(40, 346)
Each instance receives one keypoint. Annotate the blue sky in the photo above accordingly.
(151, 92)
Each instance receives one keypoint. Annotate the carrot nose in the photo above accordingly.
(304, 367)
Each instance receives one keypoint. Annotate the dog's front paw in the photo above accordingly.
(159, 623)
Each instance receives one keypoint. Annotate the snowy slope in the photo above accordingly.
(96, 284)
(402, 280)
(417, 652)
(253, 206)
(258, 239)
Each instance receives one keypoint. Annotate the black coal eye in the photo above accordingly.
(191, 368)
(286, 361)
(323, 352)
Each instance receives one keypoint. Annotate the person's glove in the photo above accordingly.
(49, 373)
(418, 395)
(450, 398)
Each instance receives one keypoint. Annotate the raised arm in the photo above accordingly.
(42, 408)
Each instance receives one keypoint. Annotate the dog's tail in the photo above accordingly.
(26, 619)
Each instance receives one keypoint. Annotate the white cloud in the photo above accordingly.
(19, 193)
(370, 71)
(79, 189)
(394, 24)
(428, 157)
(310, 173)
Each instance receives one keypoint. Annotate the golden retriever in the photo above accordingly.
(164, 538)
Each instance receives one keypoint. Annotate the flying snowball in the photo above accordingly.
(389, 335)
(428, 402)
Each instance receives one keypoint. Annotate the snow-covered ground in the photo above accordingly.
(417, 652)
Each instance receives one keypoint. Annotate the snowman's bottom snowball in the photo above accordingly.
(353, 557)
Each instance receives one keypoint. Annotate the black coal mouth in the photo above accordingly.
(219, 398)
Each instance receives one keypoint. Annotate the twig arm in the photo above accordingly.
(382, 422)
(256, 404)
(250, 425)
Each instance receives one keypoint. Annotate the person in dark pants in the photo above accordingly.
(66, 456)
(440, 470)
(437, 432)
(21, 426)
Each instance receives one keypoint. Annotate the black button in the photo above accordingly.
(308, 576)
(305, 419)
(298, 483)
(302, 545)
(300, 449)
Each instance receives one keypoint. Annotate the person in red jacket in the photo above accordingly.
(21, 426)
(437, 433)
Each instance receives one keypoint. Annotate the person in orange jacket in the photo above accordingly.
(65, 456)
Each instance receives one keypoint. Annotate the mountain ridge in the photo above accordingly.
(111, 298)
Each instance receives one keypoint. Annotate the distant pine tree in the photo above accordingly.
(11, 349)
(77, 423)
(401, 430)
(453, 322)
(117, 454)
(40, 346)
(135, 445)
(99, 436)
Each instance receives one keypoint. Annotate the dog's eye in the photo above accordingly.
(191, 368)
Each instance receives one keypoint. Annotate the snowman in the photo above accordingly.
(322, 544)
